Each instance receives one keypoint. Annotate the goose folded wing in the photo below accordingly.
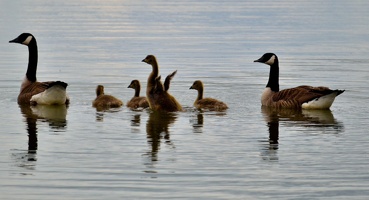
(301, 94)
(33, 89)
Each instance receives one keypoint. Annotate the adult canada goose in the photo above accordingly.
(105, 101)
(159, 99)
(32, 91)
(306, 97)
(137, 101)
(206, 103)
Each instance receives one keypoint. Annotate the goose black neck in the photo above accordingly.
(273, 82)
(32, 61)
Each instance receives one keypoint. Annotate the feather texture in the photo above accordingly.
(103, 100)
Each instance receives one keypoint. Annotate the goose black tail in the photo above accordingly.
(63, 84)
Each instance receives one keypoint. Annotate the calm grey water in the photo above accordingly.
(245, 153)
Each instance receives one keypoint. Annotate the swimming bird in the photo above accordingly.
(159, 99)
(137, 101)
(34, 92)
(306, 97)
(159, 87)
(206, 103)
(103, 100)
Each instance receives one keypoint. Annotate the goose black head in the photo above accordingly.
(24, 38)
(150, 59)
(268, 58)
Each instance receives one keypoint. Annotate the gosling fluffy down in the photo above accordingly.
(156, 92)
(137, 101)
(105, 101)
(206, 103)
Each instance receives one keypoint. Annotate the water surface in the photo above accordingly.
(247, 152)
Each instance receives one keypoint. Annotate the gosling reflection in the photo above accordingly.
(197, 122)
(321, 121)
(100, 112)
(157, 128)
(55, 116)
(136, 120)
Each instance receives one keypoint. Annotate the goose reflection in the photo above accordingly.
(321, 121)
(157, 128)
(55, 116)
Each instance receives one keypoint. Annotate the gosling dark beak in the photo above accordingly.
(144, 60)
(191, 87)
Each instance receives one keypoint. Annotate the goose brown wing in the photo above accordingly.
(32, 89)
(301, 94)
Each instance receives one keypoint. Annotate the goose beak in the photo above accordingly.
(14, 41)
(191, 87)
(258, 60)
(144, 60)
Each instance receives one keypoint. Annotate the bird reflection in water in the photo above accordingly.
(136, 120)
(197, 122)
(135, 123)
(317, 121)
(54, 115)
(100, 111)
(157, 128)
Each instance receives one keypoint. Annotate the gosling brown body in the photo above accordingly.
(137, 101)
(105, 101)
(206, 103)
(156, 93)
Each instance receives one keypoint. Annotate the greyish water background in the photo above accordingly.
(244, 153)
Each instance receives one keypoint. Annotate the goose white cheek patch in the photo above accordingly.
(28, 40)
(271, 60)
